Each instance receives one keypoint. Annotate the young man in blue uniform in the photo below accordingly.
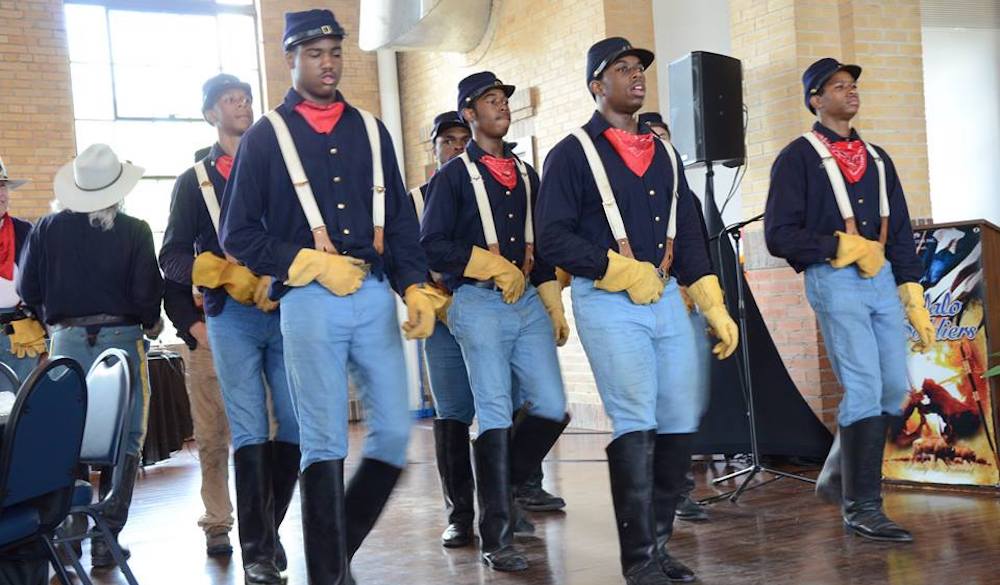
(506, 312)
(244, 331)
(615, 211)
(836, 211)
(332, 240)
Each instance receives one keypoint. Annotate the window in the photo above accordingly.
(137, 71)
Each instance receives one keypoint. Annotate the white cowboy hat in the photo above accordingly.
(11, 183)
(95, 180)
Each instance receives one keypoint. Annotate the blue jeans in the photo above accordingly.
(703, 361)
(501, 343)
(643, 357)
(72, 342)
(327, 335)
(449, 380)
(864, 330)
(247, 350)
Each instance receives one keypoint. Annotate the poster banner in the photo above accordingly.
(948, 434)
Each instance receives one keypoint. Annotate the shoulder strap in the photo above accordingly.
(378, 179)
(482, 203)
(208, 193)
(418, 201)
(668, 255)
(295, 171)
(611, 209)
(883, 195)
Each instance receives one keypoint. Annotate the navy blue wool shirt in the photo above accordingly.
(73, 269)
(263, 224)
(801, 215)
(189, 233)
(452, 226)
(573, 230)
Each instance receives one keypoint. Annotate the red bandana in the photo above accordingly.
(224, 164)
(321, 118)
(851, 156)
(636, 150)
(7, 248)
(502, 170)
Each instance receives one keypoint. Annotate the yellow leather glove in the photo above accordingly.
(341, 275)
(212, 272)
(706, 293)
(911, 294)
(551, 294)
(638, 279)
(260, 295)
(869, 255)
(563, 278)
(422, 304)
(484, 265)
(442, 313)
(27, 339)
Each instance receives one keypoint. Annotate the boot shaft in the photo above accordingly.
(630, 466)
(324, 522)
(454, 462)
(492, 458)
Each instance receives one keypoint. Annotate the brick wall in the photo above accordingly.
(36, 105)
(359, 82)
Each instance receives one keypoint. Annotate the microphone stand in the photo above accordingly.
(747, 385)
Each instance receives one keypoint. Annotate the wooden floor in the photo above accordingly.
(778, 534)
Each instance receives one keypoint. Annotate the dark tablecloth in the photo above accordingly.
(169, 410)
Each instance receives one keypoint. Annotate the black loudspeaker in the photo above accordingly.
(706, 108)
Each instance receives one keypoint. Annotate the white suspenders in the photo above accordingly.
(610, 205)
(208, 194)
(418, 202)
(486, 212)
(305, 193)
(840, 188)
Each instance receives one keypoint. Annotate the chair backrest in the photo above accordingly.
(41, 442)
(8, 379)
(108, 391)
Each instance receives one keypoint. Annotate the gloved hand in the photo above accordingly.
(639, 279)
(563, 278)
(422, 303)
(211, 271)
(551, 294)
(260, 295)
(869, 255)
(27, 338)
(484, 265)
(911, 294)
(442, 313)
(706, 293)
(341, 275)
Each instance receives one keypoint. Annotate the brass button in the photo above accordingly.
(507, 192)
(861, 200)
(864, 222)
(657, 218)
(341, 206)
(333, 150)
(510, 216)
(336, 179)
(652, 192)
(512, 238)
(347, 232)
(660, 246)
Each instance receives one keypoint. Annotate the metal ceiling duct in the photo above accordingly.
(455, 26)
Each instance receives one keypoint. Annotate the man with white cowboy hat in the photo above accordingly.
(90, 272)
(25, 338)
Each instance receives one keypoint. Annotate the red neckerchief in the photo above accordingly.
(636, 150)
(502, 169)
(321, 118)
(851, 156)
(7, 248)
(224, 164)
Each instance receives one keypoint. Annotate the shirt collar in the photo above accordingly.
(215, 153)
(598, 124)
(293, 98)
(476, 152)
(833, 136)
